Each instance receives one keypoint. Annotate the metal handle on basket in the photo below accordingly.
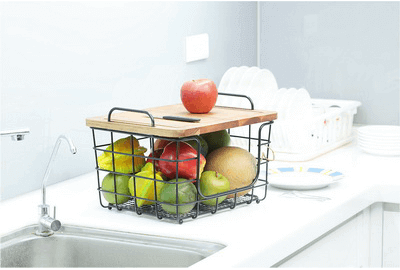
(263, 156)
(131, 110)
(238, 95)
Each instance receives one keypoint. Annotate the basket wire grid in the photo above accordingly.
(155, 209)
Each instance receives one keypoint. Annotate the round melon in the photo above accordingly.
(236, 164)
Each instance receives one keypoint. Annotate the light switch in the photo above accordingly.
(197, 47)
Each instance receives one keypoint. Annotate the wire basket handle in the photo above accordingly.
(131, 110)
(239, 95)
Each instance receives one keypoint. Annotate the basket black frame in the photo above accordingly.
(155, 209)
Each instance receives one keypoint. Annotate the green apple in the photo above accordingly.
(122, 188)
(186, 194)
(211, 183)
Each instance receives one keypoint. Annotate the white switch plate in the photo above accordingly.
(197, 47)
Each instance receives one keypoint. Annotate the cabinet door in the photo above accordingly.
(343, 246)
(368, 239)
(391, 236)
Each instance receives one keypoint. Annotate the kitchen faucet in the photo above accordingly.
(48, 224)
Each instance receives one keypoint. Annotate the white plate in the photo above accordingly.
(235, 79)
(297, 116)
(232, 87)
(302, 178)
(380, 152)
(262, 89)
(282, 103)
(226, 78)
(244, 87)
(246, 79)
(384, 131)
(286, 101)
(301, 106)
(388, 146)
(386, 149)
(278, 97)
(271, 87)
(383, 140)
(276, 133)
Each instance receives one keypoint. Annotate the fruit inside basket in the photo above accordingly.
(181, 180)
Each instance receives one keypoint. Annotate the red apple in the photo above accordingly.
(160, 144)
(199, 96)
(157, 154)
(187, 156)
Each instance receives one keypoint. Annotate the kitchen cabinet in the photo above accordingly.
(391, 236)
(368, 239)
(337, 248)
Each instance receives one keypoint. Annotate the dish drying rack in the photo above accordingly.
(329, 128)
(312, 134)
(141, 125)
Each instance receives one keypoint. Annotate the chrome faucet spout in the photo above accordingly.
(50, 164)
(47, 224)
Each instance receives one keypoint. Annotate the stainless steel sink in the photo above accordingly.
(74, 246)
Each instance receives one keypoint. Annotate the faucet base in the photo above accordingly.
(44, 234)
(47, 224)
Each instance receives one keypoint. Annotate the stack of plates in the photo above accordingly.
(257, 83)
(380, 139)
(294, 107)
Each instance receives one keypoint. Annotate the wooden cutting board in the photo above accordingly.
(218, 118)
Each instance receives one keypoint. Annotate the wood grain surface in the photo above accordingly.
(218, 118)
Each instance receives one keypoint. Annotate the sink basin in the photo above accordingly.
(74, 246)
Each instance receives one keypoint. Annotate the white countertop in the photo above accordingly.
(271, 230)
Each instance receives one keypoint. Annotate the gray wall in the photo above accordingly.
(62, 62)
(336, 50)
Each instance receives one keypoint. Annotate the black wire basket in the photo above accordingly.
(104, 140)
